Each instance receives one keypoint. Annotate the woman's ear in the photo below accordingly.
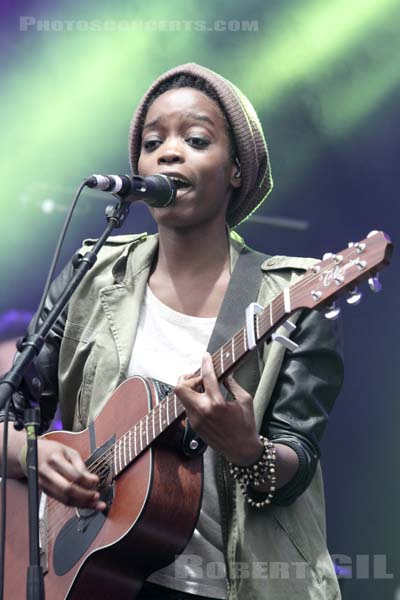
(236, 174)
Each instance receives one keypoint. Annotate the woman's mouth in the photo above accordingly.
(180, 183)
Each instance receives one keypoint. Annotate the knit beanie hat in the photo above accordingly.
(256, 180)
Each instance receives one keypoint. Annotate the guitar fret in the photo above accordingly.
(116, 457)
(115, 461)
(119, 455)
(261, 323)
(276, 308)
(290, 299)
(159, 416)
(213, 360)
(228, 356)
(286, 298)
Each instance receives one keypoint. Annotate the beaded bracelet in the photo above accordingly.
(261, 471)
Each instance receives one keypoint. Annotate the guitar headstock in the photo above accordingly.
(341, 272)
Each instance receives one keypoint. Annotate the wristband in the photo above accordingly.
(258, 473)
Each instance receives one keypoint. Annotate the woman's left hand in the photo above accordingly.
(227, 426)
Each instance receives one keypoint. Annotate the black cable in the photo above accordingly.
(56, 255)
(7, 406)
(4, 498)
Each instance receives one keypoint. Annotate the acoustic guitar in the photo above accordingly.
(153, 491)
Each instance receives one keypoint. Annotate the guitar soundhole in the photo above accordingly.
(85, 514)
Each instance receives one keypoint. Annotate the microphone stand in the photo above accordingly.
(23, 377)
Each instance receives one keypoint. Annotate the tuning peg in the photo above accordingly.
(332, 312)
(284, 341)
(327, 255)
(289, 326)
(375, 284)
(354, 297)
(350, 245)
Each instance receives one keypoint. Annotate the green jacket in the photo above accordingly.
(274, 552)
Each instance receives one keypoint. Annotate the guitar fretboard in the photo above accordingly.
(225, 359)
(323, 282)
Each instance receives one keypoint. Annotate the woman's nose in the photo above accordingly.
(170, 153)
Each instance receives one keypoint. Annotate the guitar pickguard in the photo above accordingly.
(79, 532)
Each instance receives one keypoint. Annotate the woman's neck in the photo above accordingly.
(191, 252)
(192, 270)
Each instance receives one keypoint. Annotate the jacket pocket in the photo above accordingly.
(78, 333)
(85, 389)
(298, 544)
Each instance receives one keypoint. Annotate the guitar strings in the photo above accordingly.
(302, 283)
(104, 461)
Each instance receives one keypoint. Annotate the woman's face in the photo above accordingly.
(184, 135)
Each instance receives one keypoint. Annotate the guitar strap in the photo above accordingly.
(242, 289)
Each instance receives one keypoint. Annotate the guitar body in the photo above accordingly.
(154, 498)
(154, 507)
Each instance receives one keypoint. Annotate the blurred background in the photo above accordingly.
(324, 77)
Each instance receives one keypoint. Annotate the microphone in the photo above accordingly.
(156, 190)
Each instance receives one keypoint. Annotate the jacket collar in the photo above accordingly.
(122, 301)
(129, 264)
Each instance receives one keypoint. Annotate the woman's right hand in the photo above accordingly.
(64, 476)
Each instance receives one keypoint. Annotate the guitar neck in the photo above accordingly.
(225, 360)
(321, 284)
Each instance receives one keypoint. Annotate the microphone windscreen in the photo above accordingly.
(161, 190)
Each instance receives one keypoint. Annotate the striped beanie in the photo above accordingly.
(256, 180)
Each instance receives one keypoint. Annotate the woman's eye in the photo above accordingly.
(200, 142)
(193, 140)
(151, 144)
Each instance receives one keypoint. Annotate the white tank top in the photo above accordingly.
(169, 344)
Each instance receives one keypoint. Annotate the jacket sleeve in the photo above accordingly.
(47, 360)
(309, 381)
